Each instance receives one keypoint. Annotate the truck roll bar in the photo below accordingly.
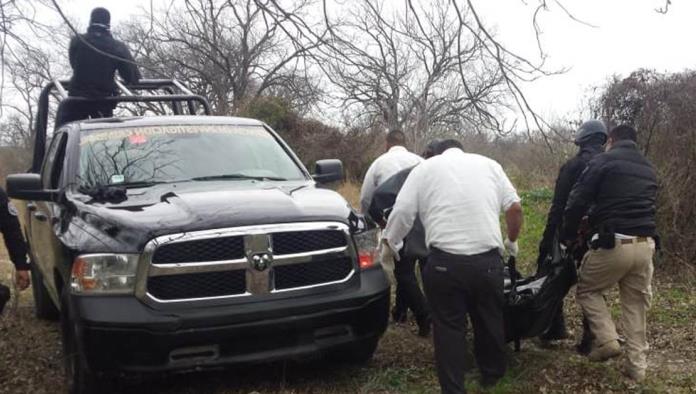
(172, 91)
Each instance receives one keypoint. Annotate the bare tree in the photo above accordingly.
(19, 28)
(31, 53)
(29, 69)
(404, 68)
(429, 66)
(228, 50)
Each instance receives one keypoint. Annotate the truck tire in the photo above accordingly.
(357, 353)
(44, 308)
(79, 379)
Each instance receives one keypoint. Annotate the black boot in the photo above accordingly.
(424, 326)
(585, 345)
(4, 297)
(399, 315)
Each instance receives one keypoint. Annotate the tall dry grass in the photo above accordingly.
(350, 190)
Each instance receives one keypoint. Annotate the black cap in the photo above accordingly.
(100, 16)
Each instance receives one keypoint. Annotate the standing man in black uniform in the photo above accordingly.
(590, 138)
(16, 247)
(93, 70)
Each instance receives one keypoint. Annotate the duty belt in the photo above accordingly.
(625, 241)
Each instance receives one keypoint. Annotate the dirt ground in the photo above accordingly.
(30, 360)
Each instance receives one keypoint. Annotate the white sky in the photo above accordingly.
(629, 35)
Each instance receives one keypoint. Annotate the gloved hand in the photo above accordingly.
(511, 247)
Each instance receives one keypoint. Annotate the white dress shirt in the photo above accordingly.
(384, 167)
(458, 197)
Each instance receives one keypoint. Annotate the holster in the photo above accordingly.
(606, 238)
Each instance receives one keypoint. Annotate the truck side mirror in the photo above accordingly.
(29, 187)
(326, 171)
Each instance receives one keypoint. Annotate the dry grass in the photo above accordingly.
(351, 192)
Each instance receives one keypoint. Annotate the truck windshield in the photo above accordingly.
(156, 154)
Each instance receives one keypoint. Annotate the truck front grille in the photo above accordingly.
(312, 273)
(202, 285)
(212, 249)
(224, 263)
(306, 241)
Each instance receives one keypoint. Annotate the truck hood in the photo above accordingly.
(175, 208)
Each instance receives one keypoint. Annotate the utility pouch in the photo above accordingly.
(606, 238)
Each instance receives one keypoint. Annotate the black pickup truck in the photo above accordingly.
(169, 243)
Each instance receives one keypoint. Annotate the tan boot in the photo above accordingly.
(633, 373)
(605, 352)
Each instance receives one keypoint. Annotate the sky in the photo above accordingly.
(627, 35)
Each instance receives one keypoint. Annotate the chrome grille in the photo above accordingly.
(308, 274)
(203, 285)
(212, 249)
(218, 263)
(306, 241)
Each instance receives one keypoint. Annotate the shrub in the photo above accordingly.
(660, 106)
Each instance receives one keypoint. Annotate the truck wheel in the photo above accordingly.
(357, 353)
(43, 304)
(79, 379)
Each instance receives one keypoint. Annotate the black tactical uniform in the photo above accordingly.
(619, 188)
(567, 176)
(14, 241)
(590, 137)
(93, 72)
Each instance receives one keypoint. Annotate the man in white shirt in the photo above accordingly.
(408, 292)
(395, 159)
(459, 198)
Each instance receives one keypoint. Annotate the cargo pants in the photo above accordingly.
(629, 264)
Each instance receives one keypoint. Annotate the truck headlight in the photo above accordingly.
(367, 243)
(104, 273)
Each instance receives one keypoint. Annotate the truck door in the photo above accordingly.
(44, 215)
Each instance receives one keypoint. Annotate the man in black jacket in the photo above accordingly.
(619, 189)
(16, 247)
(94, 58)
(590, 137)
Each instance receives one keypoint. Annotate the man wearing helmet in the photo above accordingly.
(590, 138)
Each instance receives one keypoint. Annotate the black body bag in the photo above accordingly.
(531, 302)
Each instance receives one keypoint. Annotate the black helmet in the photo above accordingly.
(588, 130)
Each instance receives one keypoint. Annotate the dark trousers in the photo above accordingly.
(4, 296)
(408, 291)
(457, 286)
(79, 110)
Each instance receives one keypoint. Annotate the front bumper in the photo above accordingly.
(123, 334)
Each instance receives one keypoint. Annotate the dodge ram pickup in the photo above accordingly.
(170, 243)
